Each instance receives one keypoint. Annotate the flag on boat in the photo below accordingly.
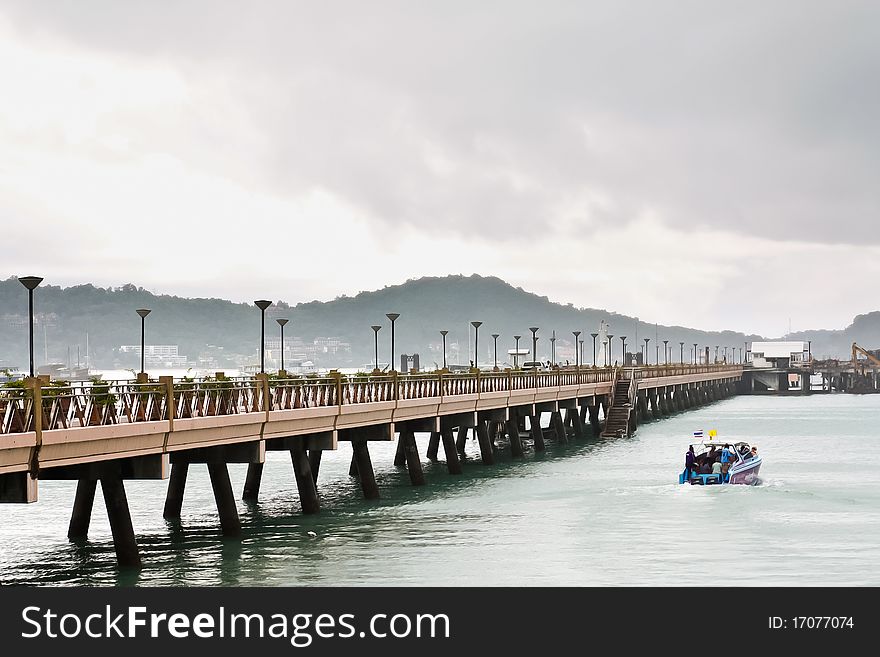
(698, 434)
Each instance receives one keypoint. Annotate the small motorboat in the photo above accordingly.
(744, 464)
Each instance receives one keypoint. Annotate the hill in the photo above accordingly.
(231, 330)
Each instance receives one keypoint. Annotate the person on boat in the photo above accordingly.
(716, 468)
(754, 451)
(689, 462)
(727, 458)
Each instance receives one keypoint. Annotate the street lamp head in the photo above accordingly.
(143, 312)
(496, 335)
(476, 324)
(262, 304)
(281, 321)
(594, 335)
(392, 316)
(517, 337)
(575, 334)
(444, 333)
(533, 329)
(622, 337)
(376, 327)
(30, 282)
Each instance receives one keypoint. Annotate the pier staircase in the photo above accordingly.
(619, 420)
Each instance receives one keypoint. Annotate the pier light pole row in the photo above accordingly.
(143, 312)
(31, 282)
(392, 317)
(495, 338)
(576, 360)
(443, 335)
(476, 326)
(594, 336)
(262, 304)
(281, 322)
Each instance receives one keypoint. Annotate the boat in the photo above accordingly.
(743, 469)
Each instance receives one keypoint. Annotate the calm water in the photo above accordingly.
(594, 513)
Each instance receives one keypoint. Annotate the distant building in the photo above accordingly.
(156, 355)
(779, 354)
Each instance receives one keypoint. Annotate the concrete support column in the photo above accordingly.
(81, 516)
(453, 464)
(225, 499)
(433, 445)
(516, 448)
(485, 444)
(594, 419)
(305, 480)
(578, 423)
(176, 486)
(655, 409)
(315, 462)
(127, 555)
(413, 460)
(558, 427)
(536, 432)
(365, 469)
(353, 468)
(252, 482)
(399, 454)
(461, 441)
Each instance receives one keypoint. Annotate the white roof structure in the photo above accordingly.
(778, 349)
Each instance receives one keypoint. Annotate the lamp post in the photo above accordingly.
(647, 340)
(443, 334)
(281, 322)
(681, 352)
(476, 326)
(623, 348)
(376, 328)
(582, 352)
(610, 350)
(516, 351)
(594, 335)
(576, 334)
(553, 349)
(143, 312)
(262, 304)
(696, 355)
(31, 282)
(716, 353)
(665, 352)
(746, 352)
(495, 338)
(392, 317)
(534, 330)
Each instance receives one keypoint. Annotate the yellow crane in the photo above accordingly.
(871, 358)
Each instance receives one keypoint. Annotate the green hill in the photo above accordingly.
(426, 305)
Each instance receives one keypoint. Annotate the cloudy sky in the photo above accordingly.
(711, 164)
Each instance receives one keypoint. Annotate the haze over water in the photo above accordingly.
(592, 513)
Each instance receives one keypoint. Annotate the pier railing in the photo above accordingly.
(98, 403)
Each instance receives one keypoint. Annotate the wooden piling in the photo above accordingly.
(365, 470)
(120, 522)
(461, 440)
(536, 432)
(305, 480)
(578, 423)
(353, 468)
(485, 444)
(516, 448)
(252, 482)
(413, 460)
(225, 499)
(81, 516)
(594, 419)
(453, 464)
(176, 486)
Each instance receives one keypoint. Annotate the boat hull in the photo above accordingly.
(745, 473)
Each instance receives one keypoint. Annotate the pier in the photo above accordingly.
(112, 432)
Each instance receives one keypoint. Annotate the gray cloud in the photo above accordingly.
(756, 117)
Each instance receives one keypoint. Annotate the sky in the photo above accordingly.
(700, 163)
